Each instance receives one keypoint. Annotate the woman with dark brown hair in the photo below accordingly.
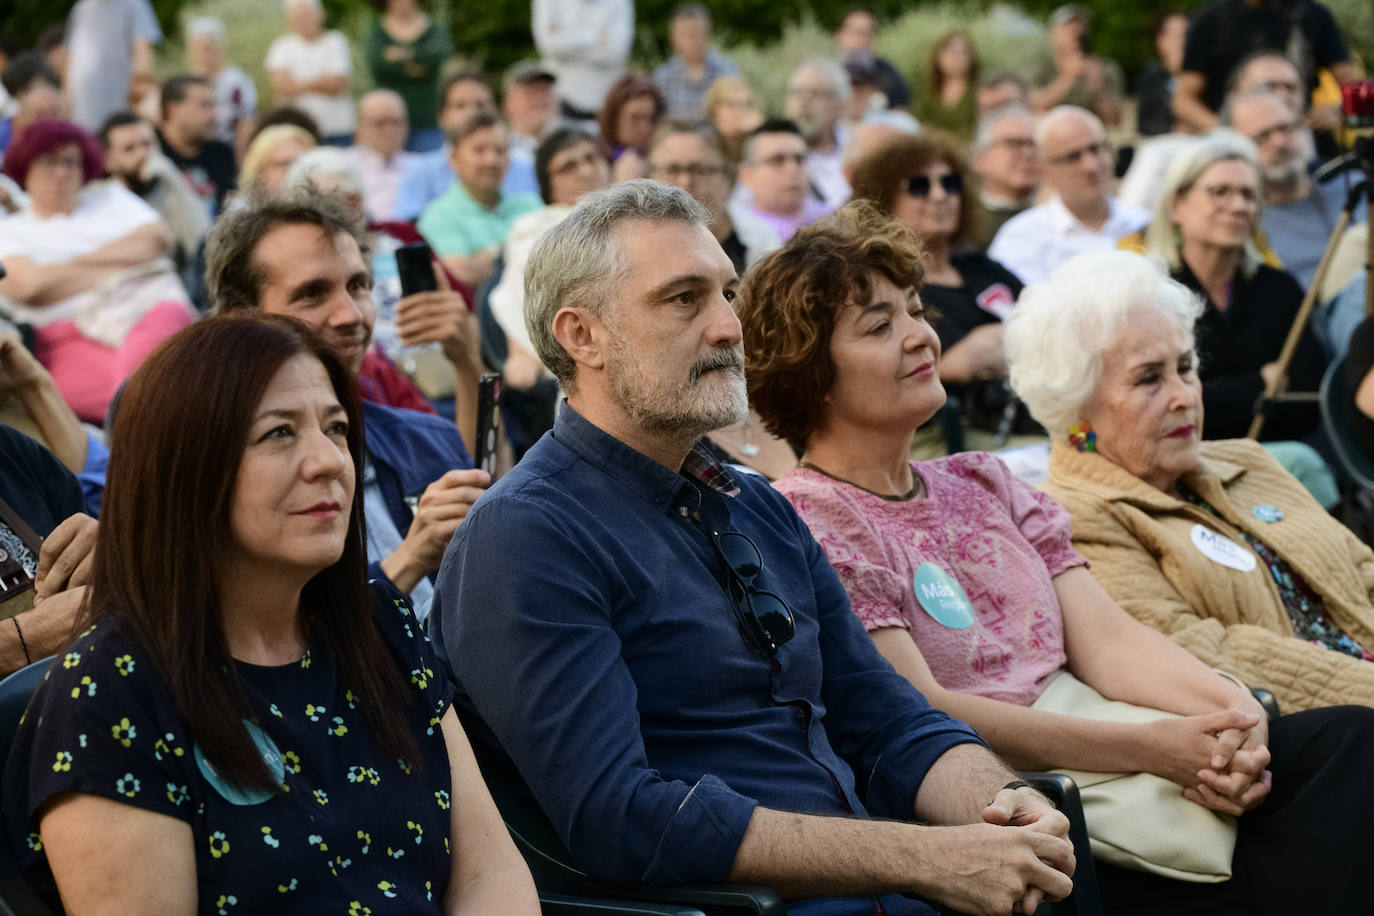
(243, 724)
(950, 101)
(923, 182)
(628, 119)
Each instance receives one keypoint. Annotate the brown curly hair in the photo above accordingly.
(878, 176)
(791, 300)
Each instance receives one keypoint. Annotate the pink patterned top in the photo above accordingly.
(998, 538)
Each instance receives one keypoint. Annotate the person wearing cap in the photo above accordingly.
(1077, 76)
(528, 103)
(405, 50)
(685, 77)
(235, 95)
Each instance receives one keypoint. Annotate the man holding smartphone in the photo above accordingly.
(302, 255)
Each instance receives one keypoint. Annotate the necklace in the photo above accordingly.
(917, 484)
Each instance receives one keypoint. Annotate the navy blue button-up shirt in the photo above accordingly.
(584, 612)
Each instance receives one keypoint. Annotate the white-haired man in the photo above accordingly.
(1004, 160)
(379, 149)
(673, 627)
(817, 93)
(1081, 215)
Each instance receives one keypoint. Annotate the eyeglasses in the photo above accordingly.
(765, 619)
(778, 160)
(1285, 129)
(808, 92)
(1219, 194)
(672, 170)
(1018, 144)
(1071, 158)
(58, 161)
(921, 185)
(1279, 87)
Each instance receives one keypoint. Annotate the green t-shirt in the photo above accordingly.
(455, 223)
(410, 68)
(959, 119)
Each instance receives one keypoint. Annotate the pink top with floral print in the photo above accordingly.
(1001, 540)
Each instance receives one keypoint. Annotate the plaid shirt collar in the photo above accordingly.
(702, 466)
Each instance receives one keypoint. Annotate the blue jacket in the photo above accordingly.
(584, 612)
(410, 450)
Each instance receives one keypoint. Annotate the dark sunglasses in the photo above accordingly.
(765, 619)
(920, 185)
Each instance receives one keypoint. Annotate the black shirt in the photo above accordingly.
(1154, 92)
(36, 485)
(1222, 34)
(735, 251)
(211, 174)
(1234, 344)
(891, 83)
(1359, 361)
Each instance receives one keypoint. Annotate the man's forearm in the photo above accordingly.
(1189, 109)
(403, 572)
(143, 244)
(60, 427)
(960, 784)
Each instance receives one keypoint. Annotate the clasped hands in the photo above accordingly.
(1219, 759)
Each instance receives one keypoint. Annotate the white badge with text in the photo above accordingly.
(1221, 549)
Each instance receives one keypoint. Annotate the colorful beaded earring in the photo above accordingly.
(1082, 437)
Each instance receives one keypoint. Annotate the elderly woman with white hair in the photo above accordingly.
(967, 582)
(311, 68)
(1211, 542)
(1204, 227)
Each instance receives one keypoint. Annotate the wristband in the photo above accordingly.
(1018, 784)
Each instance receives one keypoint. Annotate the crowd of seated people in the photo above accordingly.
(763, 551)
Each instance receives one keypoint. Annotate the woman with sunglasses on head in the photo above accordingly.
(922, 181)
(968, 584)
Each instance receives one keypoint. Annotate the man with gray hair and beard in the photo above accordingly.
(662, 648)
(1299, 214)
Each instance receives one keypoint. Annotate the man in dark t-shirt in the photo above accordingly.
(188, 139)
(1227, 31)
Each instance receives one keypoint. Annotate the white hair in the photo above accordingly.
(326, 161)
(832, 70)
(1057, 114)
(577, 263)
(982, 138)
(1221, 145)
(1055, 337)
(206, 25)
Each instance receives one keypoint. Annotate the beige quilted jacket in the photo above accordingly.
(1139, 542)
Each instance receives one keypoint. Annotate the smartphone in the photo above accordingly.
(414, 265)
(488, 422)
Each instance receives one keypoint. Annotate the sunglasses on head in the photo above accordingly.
(765, 619)
(920, 185)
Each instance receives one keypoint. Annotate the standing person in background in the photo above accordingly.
(684, 80)
(187, 136)
(405, 50)
(586, 43)
(733, 110)
(1222, 35)
(468, 224)
(951, 99)
(235, 93)
(310, 68)
(856, 33)
(816, 95)
(108, 42)
(627, 120)
(1154, 89)
(1077, 76)
(528, 103)
(1005, 161)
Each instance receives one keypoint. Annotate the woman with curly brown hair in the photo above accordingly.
(922, 181)
(967, 581)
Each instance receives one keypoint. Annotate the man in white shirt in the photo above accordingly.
(379, 150)
(586, 44)
(778, 199)
(817, 93)
(1081, 215)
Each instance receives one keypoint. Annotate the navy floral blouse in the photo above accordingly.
(352, 830)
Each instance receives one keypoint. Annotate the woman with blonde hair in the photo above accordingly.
(733, 109)
(270, 156)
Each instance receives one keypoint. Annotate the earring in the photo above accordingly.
(1082, 437)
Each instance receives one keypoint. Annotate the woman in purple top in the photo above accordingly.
(967, 582)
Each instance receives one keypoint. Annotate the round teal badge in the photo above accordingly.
(245, 795)
(942, 598)
(1267, 513)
